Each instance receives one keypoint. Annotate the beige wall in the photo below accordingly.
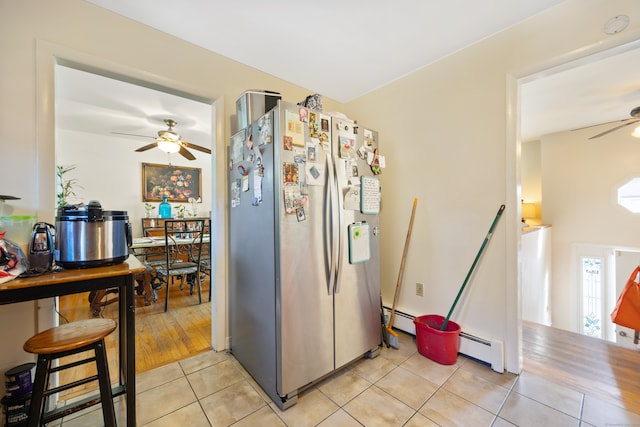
(449, 136)
(580, 179)
(448, 132)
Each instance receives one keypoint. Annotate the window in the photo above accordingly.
(629, 195)
(591, 281)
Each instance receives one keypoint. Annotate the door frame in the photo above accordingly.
(513, 80)
(48, 55)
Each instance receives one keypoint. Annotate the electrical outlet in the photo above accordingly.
(419, 289)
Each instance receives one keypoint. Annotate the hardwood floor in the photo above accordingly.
(592, 366)
(161, 338)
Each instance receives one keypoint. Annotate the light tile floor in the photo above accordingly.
(398, 388)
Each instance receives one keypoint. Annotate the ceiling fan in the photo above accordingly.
(635, 117)
(170, 141)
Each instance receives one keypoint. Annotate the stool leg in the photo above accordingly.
(104, 381)
(41, 383)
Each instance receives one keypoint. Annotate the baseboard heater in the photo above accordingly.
(486, 351)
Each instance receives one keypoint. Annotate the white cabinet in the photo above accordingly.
(536, 274)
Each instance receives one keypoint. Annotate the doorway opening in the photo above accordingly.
(575, 186)
(101, 119)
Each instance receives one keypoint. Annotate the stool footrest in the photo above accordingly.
(63, 411)
(70, 385)
(72, 364)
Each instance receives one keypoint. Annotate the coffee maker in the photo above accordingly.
(41, 248)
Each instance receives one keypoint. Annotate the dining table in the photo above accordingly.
(150, 252)
(140, 243)
(72, 281)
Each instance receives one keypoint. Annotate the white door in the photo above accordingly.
(593, 267)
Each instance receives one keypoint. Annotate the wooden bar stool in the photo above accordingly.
(65, 340)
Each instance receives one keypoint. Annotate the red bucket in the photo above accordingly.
(439, 346)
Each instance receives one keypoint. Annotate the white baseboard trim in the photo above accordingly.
(487, 351)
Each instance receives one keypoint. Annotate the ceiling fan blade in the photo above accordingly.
(186, 153)
(196, 147)
(629, 122)
(132, 134)
(599, 125)
(147, 147)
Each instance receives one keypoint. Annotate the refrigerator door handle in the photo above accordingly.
(332, 229)
(340, 226)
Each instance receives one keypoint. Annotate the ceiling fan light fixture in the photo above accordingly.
(168, 135)
(170, 141)
(636, 132)
(168, 146)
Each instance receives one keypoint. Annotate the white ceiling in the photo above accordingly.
(588, 93)
(87, 102)
(342, 49)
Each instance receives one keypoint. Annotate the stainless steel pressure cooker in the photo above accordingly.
(87, 236)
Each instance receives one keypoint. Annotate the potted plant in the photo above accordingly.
(180, 211)
(66, 187)
(194, 206)
(148, 208)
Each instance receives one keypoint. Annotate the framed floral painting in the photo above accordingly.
(178, 183)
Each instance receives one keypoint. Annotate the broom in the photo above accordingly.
(475, 261)
(393, 336)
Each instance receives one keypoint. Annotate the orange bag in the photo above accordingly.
(627, 311)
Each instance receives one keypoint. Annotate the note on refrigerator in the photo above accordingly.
(359, 250)
(294, 130)
(369, 195)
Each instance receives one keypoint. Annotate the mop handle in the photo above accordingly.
(475, 261)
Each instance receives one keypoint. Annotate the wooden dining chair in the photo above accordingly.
(205, 261)
(183, 255)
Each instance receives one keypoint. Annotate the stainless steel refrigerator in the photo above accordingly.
(304, 275)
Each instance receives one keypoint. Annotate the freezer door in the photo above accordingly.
(357, 294)
(304, 299)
